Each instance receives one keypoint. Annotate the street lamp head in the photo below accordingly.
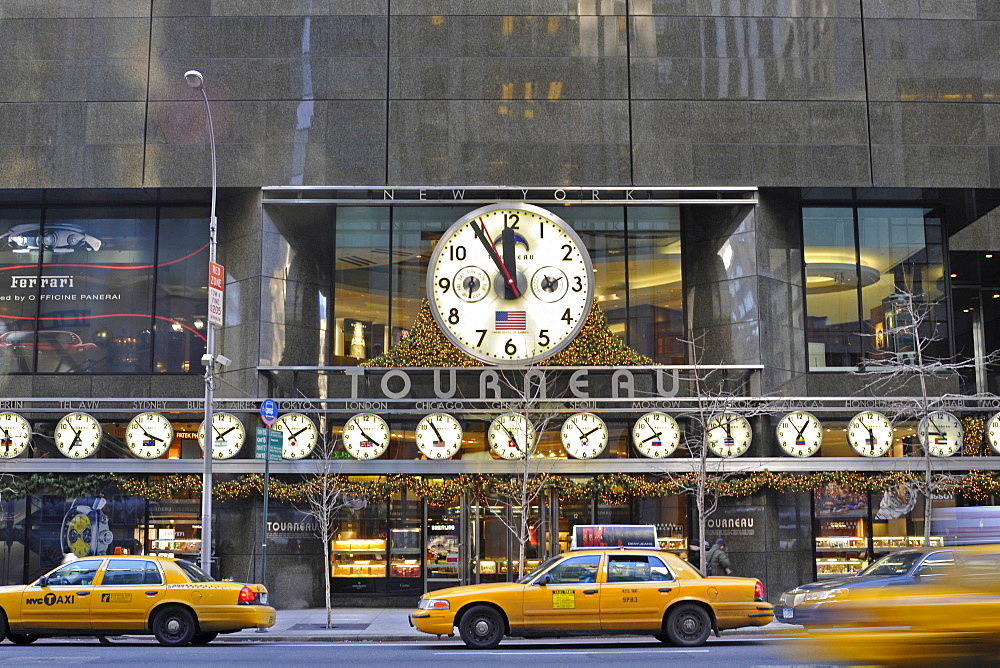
(194, 79)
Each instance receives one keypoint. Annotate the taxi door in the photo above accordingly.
(129, 588)
(63, 603)
(566, 597)
(636, 592)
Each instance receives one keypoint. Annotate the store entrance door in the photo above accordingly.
(445, 552)
(494, 532)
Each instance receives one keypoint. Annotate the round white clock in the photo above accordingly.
(149, 435)
(656, 435)
(510, 284)
(870, 434)
(227, 435)
(584, 436)
(366, 436)
(439, 436)
(800, 434)
(511, 436)
(993, 433)
(942, 432)
(728, 434)
(16, 434)
(78, 435)
(298, 433)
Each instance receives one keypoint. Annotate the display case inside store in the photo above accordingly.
(404, 553)
(893, 543)
(833, 568)
(842, 534)
(174, 529)
(358, 558)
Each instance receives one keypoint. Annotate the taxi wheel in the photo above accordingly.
(174, 626)
(481, 627)
(203, 638)
(19, 639)
(688, 626)
(4, 627)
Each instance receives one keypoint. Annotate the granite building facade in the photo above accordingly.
(764, 176)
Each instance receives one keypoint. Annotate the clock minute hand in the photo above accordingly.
(491, 250)
(435, 430)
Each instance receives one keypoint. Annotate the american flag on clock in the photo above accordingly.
(511, 320)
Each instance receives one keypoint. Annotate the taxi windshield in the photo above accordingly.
(193, 572)
(539, 569)
(893, 564)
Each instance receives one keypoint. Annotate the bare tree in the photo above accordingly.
(717, 410)
(906, 362)
(511, 504)
(325, 497)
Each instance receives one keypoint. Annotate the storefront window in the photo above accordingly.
(602, 230)
(870, 271)
(12, 539)
(174, 528)
(359, 549)
(79, 293)
(841, 531)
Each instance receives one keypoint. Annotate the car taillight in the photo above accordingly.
(247, 595)
(758, 591)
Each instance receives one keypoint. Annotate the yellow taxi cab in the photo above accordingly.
(171, 599)
(951, 614)
(605, 591)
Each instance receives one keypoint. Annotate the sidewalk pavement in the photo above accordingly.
(386, 625)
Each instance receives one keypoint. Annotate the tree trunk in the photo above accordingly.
(326, 582)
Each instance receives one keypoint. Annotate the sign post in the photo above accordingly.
(268, 444)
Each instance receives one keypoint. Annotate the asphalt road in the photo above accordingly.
(724, 653)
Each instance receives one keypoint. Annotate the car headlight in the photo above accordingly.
(433, 604)
(826, 594)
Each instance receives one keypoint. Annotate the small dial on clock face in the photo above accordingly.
(227, 435)
(729, 434)
(299, 435)
(15, 434)
(439, 436)
(870, 434)
(149, 435)
(511, 436)
(366, 436)
(656, 435)
(78, 435)
(942, 432)
(800, 434)
(524, 284)
(993, 433)
(471, 284)
(584, 436)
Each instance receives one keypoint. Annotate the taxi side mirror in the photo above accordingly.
(43, 581)
(544, 580)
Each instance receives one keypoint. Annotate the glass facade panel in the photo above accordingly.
(602, 230)
(361, 284)
(831, 275)
(655, 289)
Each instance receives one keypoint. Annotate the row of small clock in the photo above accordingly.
(510, 435)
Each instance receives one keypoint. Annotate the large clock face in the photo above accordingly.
(15, 434)
(800, 434)
(510, 284)
(299, 435)
(870, 434)
(584, 436)
(148, 435)
(78, 435)
(439, 436)
(511, 436)
(656, 435)
(227, 435)
(993, 433)
(366, 436)
(728, 434)
(942, 432)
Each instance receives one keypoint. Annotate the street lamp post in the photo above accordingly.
(195, 79)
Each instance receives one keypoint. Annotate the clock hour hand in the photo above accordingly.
(155, 438)
(293, 435)
(586, 434)
(655, 434)
(801, 429)
(509, 261)
(513, 439)
(368, 438)
(491, 250)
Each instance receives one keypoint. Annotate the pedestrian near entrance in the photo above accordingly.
(718, 559)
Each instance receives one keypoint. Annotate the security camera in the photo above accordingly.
(223, 360)
(206, 359)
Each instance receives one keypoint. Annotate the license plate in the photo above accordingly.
(787, 613)
(263, 598)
